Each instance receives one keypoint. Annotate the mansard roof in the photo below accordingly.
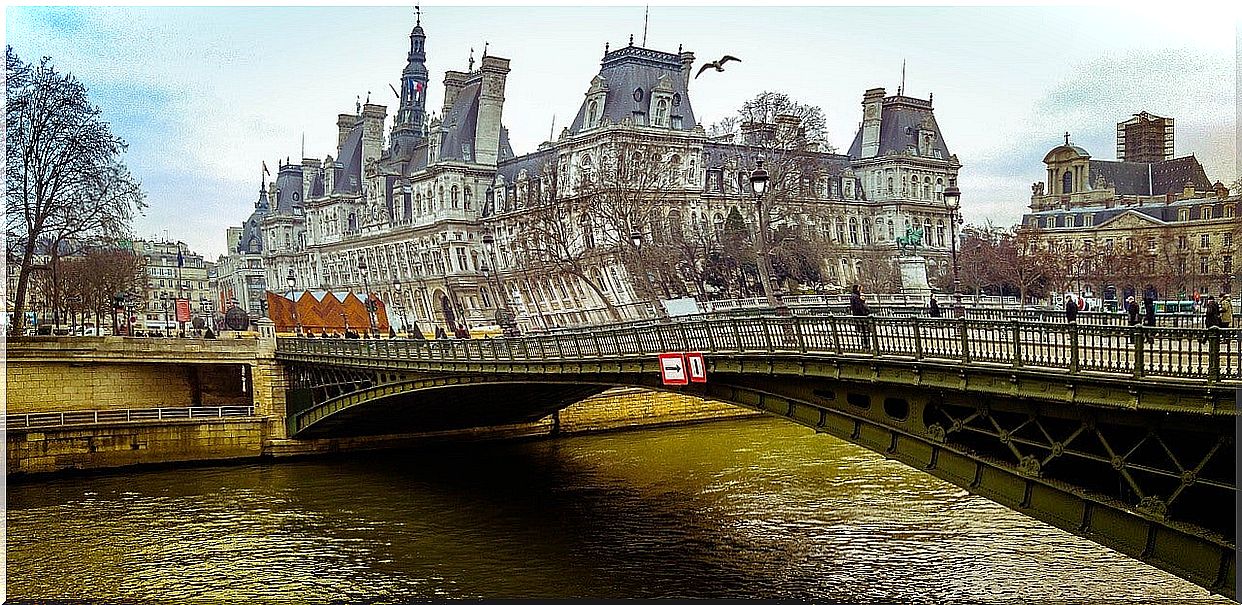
(626, 71)
(532, 163)
(901, 118)
(460, 124)
(1141, 178)
(288, 189)
(252, 233)
(348, 177)
(719, 153)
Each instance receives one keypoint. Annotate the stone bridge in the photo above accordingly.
(1123, 435)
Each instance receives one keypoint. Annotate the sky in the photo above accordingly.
(203, 95)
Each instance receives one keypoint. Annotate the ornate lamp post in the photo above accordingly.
(504, 315)
(293, 280)
(759, 183)
(366, 286)
(952, 201)
(164, 305)
(396, 288)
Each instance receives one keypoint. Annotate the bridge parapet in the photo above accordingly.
(129, 350)
(1199, 357)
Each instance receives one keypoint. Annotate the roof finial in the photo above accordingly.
(605, 48)
(679, 49)
(368, 97)
(471, 60)
(485, 43)
(358, 104)
(1067, 138)
(418, 16)
(901, 88)
(631, 39)
(646, 10)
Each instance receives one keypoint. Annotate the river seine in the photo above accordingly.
(754, 508)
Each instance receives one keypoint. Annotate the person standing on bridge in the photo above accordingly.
(1132, 310)
(859, 308)
(1071, 309)
(1226, 309)
(1211, 313)
(933, 308)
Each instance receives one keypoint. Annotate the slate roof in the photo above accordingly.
(718, 154)
(900, 119)
(459, 126)
(288, 183)
(252, 229)
(1166, 213)
(1140, 178)
(629, 68)
(531, 163)
(350, 159)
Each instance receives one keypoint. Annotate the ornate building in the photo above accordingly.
(1125, 226)
(404, 215)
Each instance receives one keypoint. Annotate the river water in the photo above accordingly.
(753, 508)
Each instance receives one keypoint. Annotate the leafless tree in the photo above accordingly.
(63, 176)
(93, 279)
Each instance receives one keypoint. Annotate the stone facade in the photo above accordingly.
(411, 208)
(1135, 226)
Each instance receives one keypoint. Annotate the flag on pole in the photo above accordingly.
(265, 168)
(180, 258)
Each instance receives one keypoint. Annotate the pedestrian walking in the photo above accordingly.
(1132, 310)
(1211, 313)
(1226, 309)
(933, 308)
(1071, 309)
(859, 308)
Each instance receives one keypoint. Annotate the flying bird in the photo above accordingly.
(719, 65)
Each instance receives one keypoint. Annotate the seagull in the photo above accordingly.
(719, 65)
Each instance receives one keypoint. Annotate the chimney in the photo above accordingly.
(344, 123)
(310, 167)
(329, 174)
(453, 82)
(372, 131)
(687, 63)
(1188, 190)
(491, 103)
(873, 99)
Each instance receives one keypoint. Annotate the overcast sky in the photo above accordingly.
(203, 95)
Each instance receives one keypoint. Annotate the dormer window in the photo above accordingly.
(660, 117)
(593, 114)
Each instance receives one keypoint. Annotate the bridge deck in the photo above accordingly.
(1207, 357)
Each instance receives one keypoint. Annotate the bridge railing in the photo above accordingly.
(39, 420)
(1131, 351)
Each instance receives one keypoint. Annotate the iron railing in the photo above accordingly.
(1196, 354)
(39, 420)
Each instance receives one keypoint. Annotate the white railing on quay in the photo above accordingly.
(87, 417)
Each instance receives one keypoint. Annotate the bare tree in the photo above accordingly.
(1020, 258)
(63, 176)
(877, 272)
(94, 279)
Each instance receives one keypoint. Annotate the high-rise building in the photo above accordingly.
(1145, 138)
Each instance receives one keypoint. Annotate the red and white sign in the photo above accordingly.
(673, 369)
(183, 309)
(697, 367)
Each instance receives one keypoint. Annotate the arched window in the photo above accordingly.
(939, 189)
(661, 113)
(454, 196)
(407, 207)
(890, 185)
(718, 222)
(927, 188)
(674, 225)
(1067, 182)
(853, 231)
(466, 197)
(879, 229)
(840, 231)
(353, 222)
(674, 165)
(441, 197)
(866, 231)
(891, 235)
(940, 233)
(592, 114)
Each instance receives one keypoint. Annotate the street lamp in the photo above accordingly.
(164, 305)
(952, 201)
(366, 286)
(293, 280)
(504, 315)
(759, 183)
(396, 287)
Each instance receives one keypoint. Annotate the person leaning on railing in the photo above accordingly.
(859, 308)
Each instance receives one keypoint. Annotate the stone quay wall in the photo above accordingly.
(113, 373)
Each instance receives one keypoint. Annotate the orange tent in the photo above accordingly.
(320, 311)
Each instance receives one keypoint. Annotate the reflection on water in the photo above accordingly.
(757, 508)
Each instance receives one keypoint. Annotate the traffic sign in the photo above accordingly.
(673, 369)
(697, 367)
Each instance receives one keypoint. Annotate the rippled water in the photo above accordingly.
(759, 508)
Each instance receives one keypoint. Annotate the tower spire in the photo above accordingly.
(901, 88)
(418, 16)
(646, 11)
